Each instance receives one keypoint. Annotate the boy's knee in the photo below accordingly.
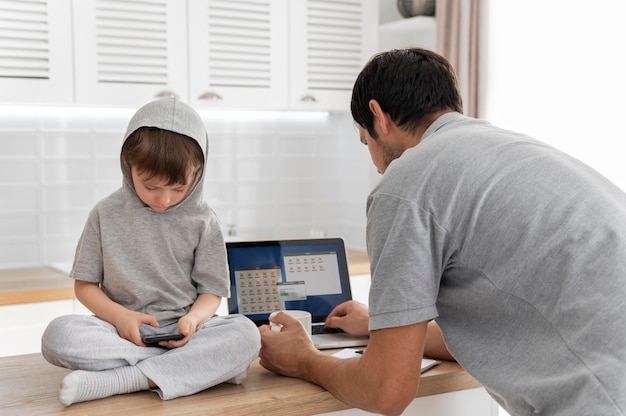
(250, 332)
(57, 338)
(240, 330)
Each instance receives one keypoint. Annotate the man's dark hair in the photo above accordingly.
(409, 85)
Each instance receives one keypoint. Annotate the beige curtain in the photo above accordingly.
(458, 39)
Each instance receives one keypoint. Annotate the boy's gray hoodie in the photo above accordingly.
(155, 262)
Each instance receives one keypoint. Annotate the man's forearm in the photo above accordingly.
(345, 380)
(383, 380)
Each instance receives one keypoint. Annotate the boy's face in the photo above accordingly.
(156, 193)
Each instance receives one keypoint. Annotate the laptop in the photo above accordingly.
(308, 274)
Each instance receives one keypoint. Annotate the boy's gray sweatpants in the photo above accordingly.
(222, 348)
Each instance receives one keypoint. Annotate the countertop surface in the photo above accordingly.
(33, 390)
(35, 284)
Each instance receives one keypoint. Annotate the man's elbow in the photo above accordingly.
(392, 401)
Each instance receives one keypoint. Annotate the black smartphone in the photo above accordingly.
(155, 339)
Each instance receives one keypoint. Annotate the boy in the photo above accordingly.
(152, 260)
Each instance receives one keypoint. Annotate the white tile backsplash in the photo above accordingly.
(64, 145)
(219, 168)
(108, 145)
(23, 225)
(67, 198)
(18, 144)
(16, 253)
(269, 175)
(18, 171)
(67, 171)
(108, 170)
(18, 199)
(66, 223)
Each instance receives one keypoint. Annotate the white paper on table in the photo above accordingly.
(351, 353)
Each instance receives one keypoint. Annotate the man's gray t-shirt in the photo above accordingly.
(519, 252)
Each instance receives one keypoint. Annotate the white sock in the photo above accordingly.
(80, 386)
(238, 379)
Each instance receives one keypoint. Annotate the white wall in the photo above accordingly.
(557, 71)
(271, 175)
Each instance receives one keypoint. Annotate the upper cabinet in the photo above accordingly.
(129, 52)
(35, 52)
(229, 54)
(238, 54)
(330, 43)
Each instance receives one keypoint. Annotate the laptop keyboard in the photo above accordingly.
(321, 329)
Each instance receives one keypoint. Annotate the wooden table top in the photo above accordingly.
(29, 386)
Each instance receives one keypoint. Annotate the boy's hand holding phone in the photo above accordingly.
(129, 322)
(166, 331)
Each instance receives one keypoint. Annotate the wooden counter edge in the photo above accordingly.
(33, 296)
(34, 284)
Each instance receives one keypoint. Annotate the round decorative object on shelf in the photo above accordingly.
(412, 8)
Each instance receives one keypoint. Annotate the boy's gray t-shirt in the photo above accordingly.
(519, 252)
(155, 262)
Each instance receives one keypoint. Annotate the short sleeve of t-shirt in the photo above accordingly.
(405, 246)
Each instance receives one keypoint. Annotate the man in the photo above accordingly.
(516, 250)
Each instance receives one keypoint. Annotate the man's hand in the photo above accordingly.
(350, 316)
(283, 352)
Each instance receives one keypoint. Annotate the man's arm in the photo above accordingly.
(353, 318)
(435, 347)
(383, 380)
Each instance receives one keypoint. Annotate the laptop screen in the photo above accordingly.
(266, 276)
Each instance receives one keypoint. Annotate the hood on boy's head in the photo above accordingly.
(175, 116)
(172, 115)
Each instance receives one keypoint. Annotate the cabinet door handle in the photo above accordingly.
(308, 99)
(165, 94)
(210, 96)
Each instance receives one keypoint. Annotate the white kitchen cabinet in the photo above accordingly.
(128, 53)
(35, 52)
(238, 54)
(252, 54)
(330, 41)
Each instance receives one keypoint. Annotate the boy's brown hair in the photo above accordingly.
(163, 154)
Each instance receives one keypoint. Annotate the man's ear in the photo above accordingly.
(380, 117)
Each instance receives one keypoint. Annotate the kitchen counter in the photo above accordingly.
(358, 262)
(42, 284)
(35, 284)
(31, 384)
(32, 389)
